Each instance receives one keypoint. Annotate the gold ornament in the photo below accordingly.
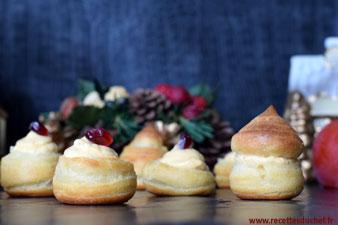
(298, 115)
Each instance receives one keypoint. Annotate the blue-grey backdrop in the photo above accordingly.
(241, 47)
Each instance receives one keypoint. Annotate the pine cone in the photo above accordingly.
(147, 104)
(212, 149)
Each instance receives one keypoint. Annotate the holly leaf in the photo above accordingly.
(84, 116)
(198, 130)
(204, 91)
(126, 128)
(85, 87)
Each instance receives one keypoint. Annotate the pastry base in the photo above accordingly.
(87, 181)
(163, 179)
(67, 199)
(266, 178)
(47, 192)
(166, 190)
(267, 196)
(222, 182)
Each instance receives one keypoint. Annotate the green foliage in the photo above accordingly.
(84, 116)
(85, 87)
(114, 116)
(204, 91)
(198, 130)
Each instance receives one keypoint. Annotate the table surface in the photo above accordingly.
(145, 208)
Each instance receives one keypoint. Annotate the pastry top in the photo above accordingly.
(35, 144)
(268, 135)
(84, 148)
(147, 137)
(184, 158)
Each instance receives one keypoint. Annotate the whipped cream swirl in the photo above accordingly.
(85, 148)
(35, 143)
(184, 158)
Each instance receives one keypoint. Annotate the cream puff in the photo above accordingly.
(222, 170)
(180, 172)
(146, 147)
(29, 167)
(266, 165)
(90, 172)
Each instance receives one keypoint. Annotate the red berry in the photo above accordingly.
(163, 89)
(99, 136)
(191, 112)
(67, 106)
(184, 142)
(38, 128)
(179, 95)
(200, 102)
(325, 155)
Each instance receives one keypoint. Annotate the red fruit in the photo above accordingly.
(179, 95)
(99, 136)
(191, 112)
(184, 142)
(199, 101)
(67, 106)
(163, 89)
(38, 128)
(325, 155)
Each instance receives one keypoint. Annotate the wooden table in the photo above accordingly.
(144, 208)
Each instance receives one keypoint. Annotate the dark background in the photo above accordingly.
(241, 47)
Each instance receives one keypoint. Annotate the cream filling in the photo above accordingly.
(246, 158)
(87, 149)
(184, 158)
(34, 143)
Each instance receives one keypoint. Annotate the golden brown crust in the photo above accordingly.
(268, 135)
(169, 191)
(45, 192)
(272, 197)
(162, 179)
(94, 200)
(148, 133)
(25, 174)
(89, 181)
(146, 147)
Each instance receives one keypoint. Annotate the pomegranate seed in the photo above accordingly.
(38, 128)
(185, 141)
(99, 136)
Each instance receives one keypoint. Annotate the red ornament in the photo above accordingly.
(178, 95)
(67, 106)
(163, 89)
(191, 112)
(200, 102)
(99, 136)
(184, 142)
(38, 128)
(325, 155)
